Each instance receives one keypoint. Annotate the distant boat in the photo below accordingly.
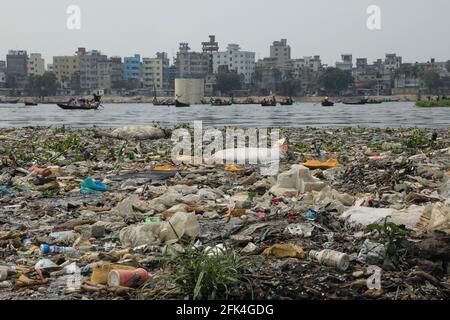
(269, 103)
(373, 101)
(81, 107)
(82, 104)
(327, 103)
(220, 102)
(287, 102)
(167, 102)
(181, 104)
(11, 101)
(30, 104)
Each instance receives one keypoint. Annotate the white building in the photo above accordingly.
(154, 70)
(242, 62)
(36, 64)
(312, 64)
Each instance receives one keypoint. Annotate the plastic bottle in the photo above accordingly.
(46, 249)
(6, 271)
(331, 258)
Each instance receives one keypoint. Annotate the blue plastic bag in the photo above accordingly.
(90, 185)
(3, 191)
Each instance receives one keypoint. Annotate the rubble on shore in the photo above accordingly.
(384, 202)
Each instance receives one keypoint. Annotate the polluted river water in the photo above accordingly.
(300, 115)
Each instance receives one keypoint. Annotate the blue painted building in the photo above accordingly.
(132, 67)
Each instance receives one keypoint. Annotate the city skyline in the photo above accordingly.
(322, 28)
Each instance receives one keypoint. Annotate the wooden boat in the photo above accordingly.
(327, 103)
(87, 106)
(30, 104)
(287, 102)
(12, 101)
(82, 104)
(269, 103)
(181, 104)
(163, 103)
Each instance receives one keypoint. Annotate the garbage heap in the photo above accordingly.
(353, 213)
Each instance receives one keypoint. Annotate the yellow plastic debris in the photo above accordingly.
(285, 250)
(164, 168)
(101, 270)
(316, 164)
(232, 168)
(235, 213)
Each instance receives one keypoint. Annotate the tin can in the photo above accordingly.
(128, 278)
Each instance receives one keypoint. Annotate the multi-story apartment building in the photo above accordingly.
(242, 62)
(155, 72)
(210, 48)
(2, 74)
(346, 64)
(267, 73)
(363, 71)
(36, 64)
(116, 69)
(104, 74)
(95, 72)
(312, 64)
(171, 76)
(192, 64)
(2, 66)
(308, 71)
(16, 69)
(132, 68)
(281, 51)
(361, 64)
(392, 62)
(65, 68)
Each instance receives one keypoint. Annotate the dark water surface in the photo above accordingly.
(393, 114)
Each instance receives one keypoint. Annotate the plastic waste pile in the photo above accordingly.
(106, 214)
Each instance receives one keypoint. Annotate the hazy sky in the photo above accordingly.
(415, 29)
